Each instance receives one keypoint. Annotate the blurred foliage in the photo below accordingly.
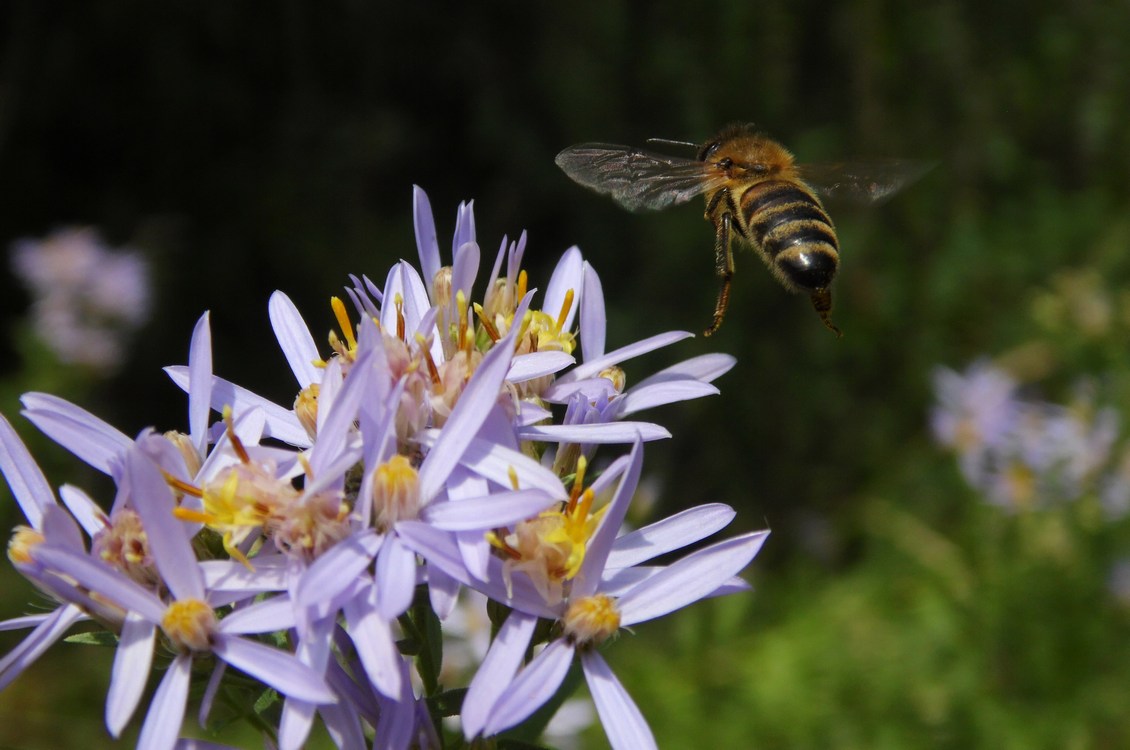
(258, 146)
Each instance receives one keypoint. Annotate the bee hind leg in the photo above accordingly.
(724, 269)
(822, 301)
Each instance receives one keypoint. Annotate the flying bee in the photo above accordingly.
(754, 190)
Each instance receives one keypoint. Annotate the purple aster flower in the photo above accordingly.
(590, 606)
(187, 619)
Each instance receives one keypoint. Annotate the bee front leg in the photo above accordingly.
(723, 268)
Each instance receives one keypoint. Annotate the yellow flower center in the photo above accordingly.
(396, 492)
(591, 620)
(190, 624)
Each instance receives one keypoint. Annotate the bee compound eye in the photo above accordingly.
(809, 268)
(708, 150)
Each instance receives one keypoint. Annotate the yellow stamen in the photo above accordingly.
(426, 353)
(510, 472)
(343, 321)
(566, 305)
(181, 486)
(486, 324)
(578, 481)
(521, 286)
(398, 301)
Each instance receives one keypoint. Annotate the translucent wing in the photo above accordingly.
(639, 180)
(863, 181)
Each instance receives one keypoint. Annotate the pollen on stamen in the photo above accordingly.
(591, 620)
(343, 321)
(566, 306)
(24, 539)
(190, 624)
(484, 321)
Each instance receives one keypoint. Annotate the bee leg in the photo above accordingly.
(724, 269)
(822, 301)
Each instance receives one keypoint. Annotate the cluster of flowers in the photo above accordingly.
(87, 299)
(444, 444)
(1023, 453)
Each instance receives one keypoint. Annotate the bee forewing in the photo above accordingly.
(867, 182)
(636, 179)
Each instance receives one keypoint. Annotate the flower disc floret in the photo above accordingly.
(190, 624)
(123, 544)
(591, 620)
(396, 493)
(24, 539)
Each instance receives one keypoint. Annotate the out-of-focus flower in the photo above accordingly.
(87, 298)
(1023, 453)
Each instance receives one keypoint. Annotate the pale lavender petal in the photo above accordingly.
(464, 269)
(295, 723)
(404, 283)
(166, 711)
(372, 637)
(398, 717)
(426, 242)
(593, 319)
(336, 428)
(623, 723)
(671, 533)
(595, 389)
(464, 225)
(83, 434)
(491, 511)
(130, 672)
(478, 398)
(282, 424)
(533, 686)
(494, 462)
(593, 367)
(29, 486)
(614, 433)
(496, 671)
(200, 371)
(343, 725)
(172, 553)
(537, 364)
(95, 576)
(297, 345)
(82, 506)
(265, 616)
(690, 579)
(658, 394)
(210, 690)
(706, 367)
(268, 573)
(51, 628)
(332, 572)
(279, 669)
(443, 592)
(396, 578)
(599, 546)
(530, 413)
(567, 275)
(60, 529)
(298, 716)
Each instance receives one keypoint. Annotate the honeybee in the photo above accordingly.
(754, 190)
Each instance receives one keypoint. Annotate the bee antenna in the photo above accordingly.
(670, 142)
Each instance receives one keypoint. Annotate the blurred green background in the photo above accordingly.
(248, 147)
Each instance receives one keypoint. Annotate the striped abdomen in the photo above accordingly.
(788, 226)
